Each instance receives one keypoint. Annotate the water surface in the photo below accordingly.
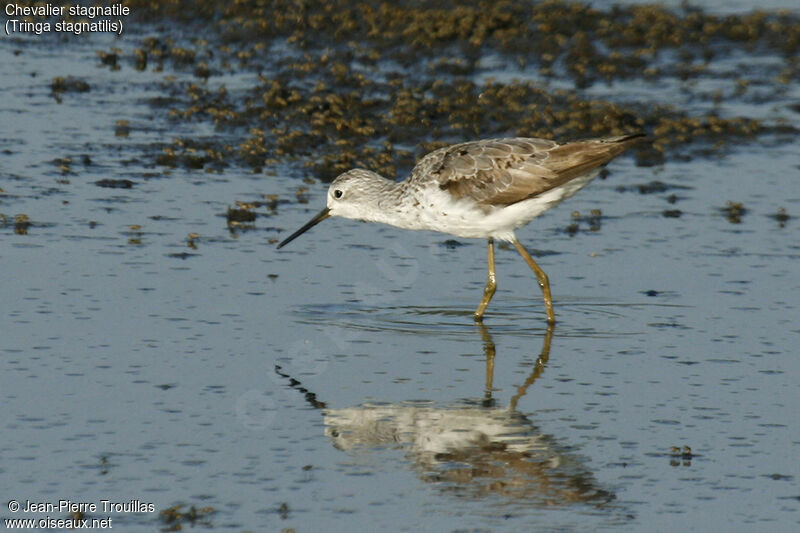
(153, 352)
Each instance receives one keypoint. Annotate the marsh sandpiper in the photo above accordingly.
(480, 189)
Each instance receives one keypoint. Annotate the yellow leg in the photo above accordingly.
(491, 286)
(541, 277)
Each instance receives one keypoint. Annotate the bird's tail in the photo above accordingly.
(638, 137)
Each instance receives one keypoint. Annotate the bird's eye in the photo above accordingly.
(337, 193)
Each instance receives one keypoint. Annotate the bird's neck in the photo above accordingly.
(395, 205)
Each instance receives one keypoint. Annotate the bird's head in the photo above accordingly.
(352, 194)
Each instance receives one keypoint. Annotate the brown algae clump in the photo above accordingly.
(368, 84)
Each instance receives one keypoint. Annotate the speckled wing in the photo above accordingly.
(506, 171)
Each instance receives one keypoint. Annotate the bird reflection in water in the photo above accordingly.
(474, 448)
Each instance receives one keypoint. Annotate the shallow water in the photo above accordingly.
(340, 384)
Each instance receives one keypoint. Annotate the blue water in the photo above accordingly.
(137, 367)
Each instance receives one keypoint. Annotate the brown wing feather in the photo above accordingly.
(506, 171)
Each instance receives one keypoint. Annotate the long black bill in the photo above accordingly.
(322, 215)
